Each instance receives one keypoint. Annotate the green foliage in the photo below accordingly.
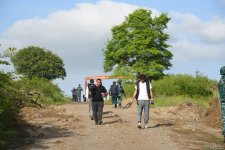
(139, 45)
(12, 92)
(186, 85)
(167, 101)
(129, 89)
(49, 92)
(38, 62)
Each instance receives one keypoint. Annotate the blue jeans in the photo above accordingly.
(143, 105)
(114, 99)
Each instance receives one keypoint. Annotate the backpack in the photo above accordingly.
(91, 88)
(120, 90)
(114, 90)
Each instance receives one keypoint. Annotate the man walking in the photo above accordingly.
(113, 92)
(221, 88)
(79, 89)
(91, 90)
(74, 94)
(97, 101)
(120, 93)
(143, 95)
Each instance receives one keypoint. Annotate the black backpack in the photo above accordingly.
(91, 88)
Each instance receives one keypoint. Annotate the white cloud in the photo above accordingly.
(78, 36)
(190, 25)
(193, 39)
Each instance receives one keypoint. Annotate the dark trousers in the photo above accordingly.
(97, 111)
(74, 98)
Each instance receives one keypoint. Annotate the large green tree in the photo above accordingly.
(139, 45)
(38, 62)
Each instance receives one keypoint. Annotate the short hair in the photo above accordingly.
(91, 80)
(99, 79)
(142, 77)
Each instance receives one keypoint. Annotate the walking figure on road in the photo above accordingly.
(91, 90)
(221, 88)
(79, 89)
(143, 95)
(97, 101)
(74, 94)
(120, 93)
(113, 92)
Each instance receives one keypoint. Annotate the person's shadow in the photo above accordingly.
(162, 124)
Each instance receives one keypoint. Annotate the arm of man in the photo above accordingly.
(104, 92)
(134, 96)
(152, 97)
(110, 90)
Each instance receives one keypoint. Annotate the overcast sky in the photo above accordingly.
(78, 30)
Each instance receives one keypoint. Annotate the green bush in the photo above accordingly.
(49, 92)
(185, 85)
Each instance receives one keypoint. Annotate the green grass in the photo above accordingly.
(217, 140)
(162, 101)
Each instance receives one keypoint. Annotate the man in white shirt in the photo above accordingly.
(143, 95)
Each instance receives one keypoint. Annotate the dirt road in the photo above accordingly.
(68, 127)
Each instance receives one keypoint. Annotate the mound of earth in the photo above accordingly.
(213, 114)
(186, 111)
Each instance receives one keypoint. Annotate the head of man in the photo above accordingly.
(114, 82)
(222, 71)
(91, 81)
(142, 77)
(98, 82)
(119, 82)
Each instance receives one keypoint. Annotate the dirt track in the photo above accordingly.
(68, 127)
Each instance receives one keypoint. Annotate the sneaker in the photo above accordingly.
(92, 118)
(100, 123)
(139, 125)
(146, 126)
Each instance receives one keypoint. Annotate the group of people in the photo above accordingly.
(142, 94)
(76, 93)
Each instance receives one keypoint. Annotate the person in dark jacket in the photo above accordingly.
(97, 101)
(74, 94)
(221, 88)
(120, 93)
(91, 89)
(113, 92)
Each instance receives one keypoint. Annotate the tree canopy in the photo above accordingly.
(38, 62)
(139, 45)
